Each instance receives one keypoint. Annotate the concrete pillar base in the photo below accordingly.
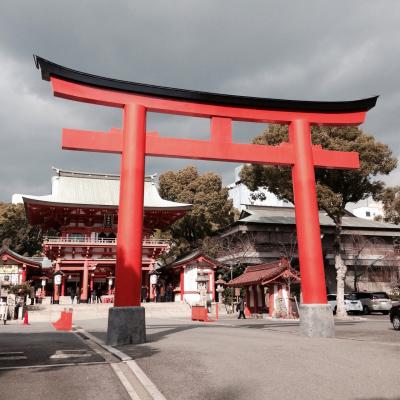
(316, 320)
(126, 325)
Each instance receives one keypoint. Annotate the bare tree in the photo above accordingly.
(371, 257)
(232, 250)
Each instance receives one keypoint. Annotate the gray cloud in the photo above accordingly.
(320, 50)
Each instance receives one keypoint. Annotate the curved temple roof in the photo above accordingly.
(49, 69)
(97, 190)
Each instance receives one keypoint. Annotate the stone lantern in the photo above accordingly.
(202, 281)
(220, 287)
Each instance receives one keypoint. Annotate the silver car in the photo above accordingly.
(374, 301)
(352, 304)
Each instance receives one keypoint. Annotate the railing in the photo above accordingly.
(57, 240)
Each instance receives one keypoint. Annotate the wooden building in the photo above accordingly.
(370, 249)
(83, 207)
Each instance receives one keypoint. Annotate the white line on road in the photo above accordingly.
(62, 354)
(144, 380)
(128, 387)
(12, 355)
(53, 365)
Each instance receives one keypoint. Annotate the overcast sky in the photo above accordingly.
(311, 50)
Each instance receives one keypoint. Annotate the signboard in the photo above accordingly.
(237, 292)
(43, 282)
(57, 279)
(153, 279)
(8, 269)
(108, 220)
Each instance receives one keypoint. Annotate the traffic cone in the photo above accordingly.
(26, 322)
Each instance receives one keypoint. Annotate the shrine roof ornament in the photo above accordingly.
(49, 69)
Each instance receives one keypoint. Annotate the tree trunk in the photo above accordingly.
(341, 270)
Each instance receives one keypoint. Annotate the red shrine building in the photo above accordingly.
(83, 208)
(16, 269)
(268, 286)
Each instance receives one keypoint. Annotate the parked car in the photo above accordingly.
(351, 304)
(395, 317)
(374, 301)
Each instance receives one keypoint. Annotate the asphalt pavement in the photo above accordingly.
(229, 359)
(258, 359)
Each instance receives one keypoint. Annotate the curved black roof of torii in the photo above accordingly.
(49, 69)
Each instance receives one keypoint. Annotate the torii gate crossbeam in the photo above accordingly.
(133, 143)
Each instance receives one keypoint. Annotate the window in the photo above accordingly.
(367, 214)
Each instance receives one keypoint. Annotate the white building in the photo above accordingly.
(241, 195)
(367, 209)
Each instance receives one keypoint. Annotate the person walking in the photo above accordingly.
(94, 296)
(240, 307)
(72, 294)
(78, 295)
(99, 294)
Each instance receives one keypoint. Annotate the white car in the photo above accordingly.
(351, 303)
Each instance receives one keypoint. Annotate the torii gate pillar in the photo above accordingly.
(127, 320)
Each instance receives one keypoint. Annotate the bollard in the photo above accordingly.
(26, 321)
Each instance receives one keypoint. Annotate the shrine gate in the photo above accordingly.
(126, 320)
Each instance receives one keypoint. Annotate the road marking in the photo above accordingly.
(128, 387)
(12, 355)
(62, 354)
(140, 375)
(53, 365)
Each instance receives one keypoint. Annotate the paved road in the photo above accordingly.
(258, 359)
(232, 359)
(37, 362)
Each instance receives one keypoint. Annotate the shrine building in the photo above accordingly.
(83, 209)
(183, 273)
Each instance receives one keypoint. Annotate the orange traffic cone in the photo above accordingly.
(26, 321)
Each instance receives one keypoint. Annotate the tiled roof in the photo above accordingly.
(265, 273)
(6, 253)
(286, 216)
(195, 256)
(87, 189)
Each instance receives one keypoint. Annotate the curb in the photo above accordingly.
(145, 381)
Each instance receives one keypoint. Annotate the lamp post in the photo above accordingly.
(202, 281)
(220, 287)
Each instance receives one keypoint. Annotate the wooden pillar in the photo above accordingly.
(182, 283)
(23, 273)
(56, 293)
(63, 285)
(85, 282)
(255, 299)
(262, 297)
(248, 297)
(271, 302)
(213, 284)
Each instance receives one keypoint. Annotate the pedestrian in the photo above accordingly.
(162, 293)
(94, 296)
(144, 294)
(99, 294)
(72, 294)
(78, 294)
(240, 307)
(32, 294)
(169, 293)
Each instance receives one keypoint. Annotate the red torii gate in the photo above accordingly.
(134, 144)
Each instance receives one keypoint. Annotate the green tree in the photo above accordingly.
(390, 197)
(211, 207)
(335, 188)
(15, 231)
